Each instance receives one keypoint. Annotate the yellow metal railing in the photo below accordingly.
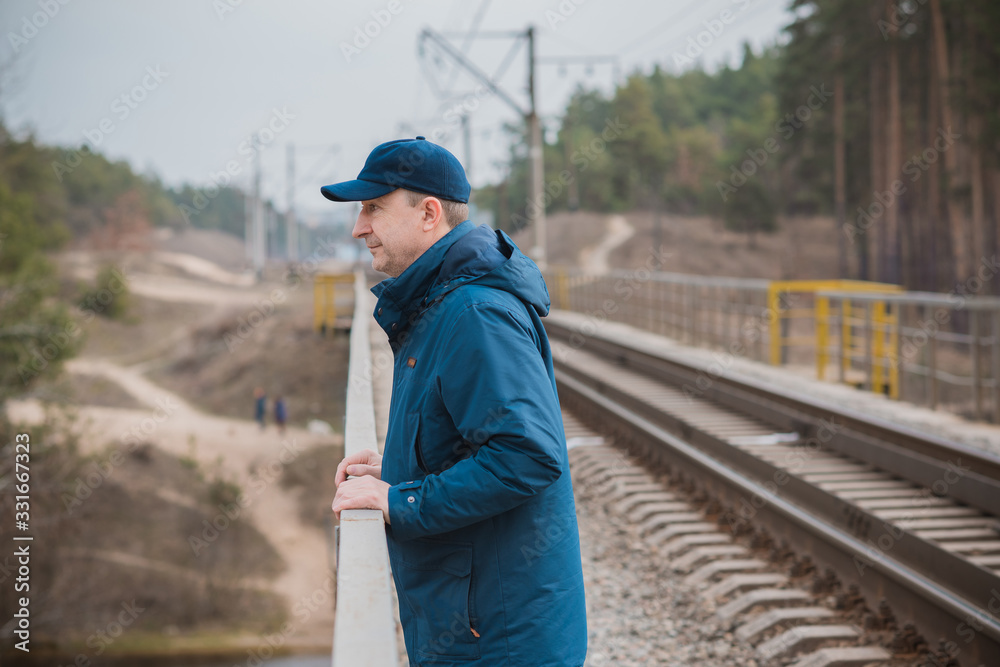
(878, 347)
(816, 310)
(325, 288)
(562, 289)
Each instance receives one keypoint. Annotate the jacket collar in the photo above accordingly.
(400, 299)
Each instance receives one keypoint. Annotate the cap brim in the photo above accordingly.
(356, 190)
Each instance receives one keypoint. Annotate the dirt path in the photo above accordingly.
(236, 449)
(205, 269)
(174, 288)
(595, 259)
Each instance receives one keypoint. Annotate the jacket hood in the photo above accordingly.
(464, 255)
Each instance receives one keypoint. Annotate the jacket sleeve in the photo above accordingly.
(498, 391)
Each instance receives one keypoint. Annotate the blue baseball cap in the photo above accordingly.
(413, 164)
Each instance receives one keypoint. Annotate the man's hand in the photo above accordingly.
(365, 462)
(363, 493)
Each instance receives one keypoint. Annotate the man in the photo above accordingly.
(474, 484)
(260, 406)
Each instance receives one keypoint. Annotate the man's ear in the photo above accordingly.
(431, 213)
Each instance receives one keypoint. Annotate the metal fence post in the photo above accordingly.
(977, 371)
(996, 366)
(932, 366)
(822, 335)
(893, 321)
(846, 342)
(869, 342)
(876, 320)
(774, 324)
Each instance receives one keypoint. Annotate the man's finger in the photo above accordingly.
(341, 473)
(344, 466)
(354, 494)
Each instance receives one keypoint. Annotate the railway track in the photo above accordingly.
(902, 520)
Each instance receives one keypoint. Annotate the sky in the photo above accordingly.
(182, 89)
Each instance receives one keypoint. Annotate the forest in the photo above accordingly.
(53, 196)
(882, 114)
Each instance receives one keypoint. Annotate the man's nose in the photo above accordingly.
(361, 227)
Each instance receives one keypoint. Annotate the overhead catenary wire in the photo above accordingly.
(679, 41)
(470, 36)
(654, 32)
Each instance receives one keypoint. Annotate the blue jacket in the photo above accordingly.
(483, 539)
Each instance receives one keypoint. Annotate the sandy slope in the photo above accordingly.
(237, 448)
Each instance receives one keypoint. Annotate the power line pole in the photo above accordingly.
(260, 240)
(467, 141)
(291, 225)
(248, 225)
(535, 207)
(535, 151)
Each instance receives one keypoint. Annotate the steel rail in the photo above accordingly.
(917, 456)
(942, 594)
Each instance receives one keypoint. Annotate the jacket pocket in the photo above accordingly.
(437, 584)
(401, 461)
(413, 419)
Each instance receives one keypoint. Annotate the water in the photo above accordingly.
(286, 661)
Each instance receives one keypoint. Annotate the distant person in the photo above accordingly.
(280, 413)
(475, 484)
(260, 406)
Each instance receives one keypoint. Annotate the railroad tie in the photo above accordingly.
(761, 597)
(861, 656)
(803, 638)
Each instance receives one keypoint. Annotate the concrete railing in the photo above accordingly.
(365, 628)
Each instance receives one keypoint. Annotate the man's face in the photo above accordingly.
(391, 229)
